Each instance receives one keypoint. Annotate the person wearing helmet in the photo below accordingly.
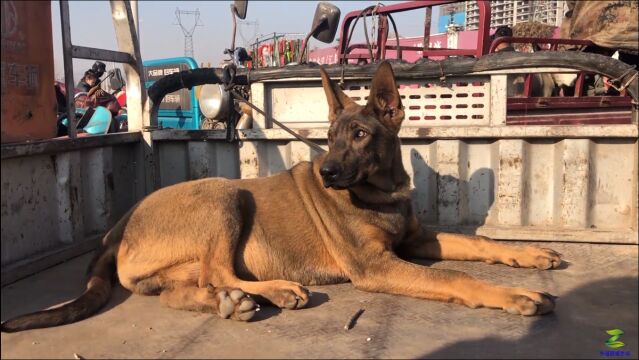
(92, 76)
(89, 80)
(99, 68)
(503, 31)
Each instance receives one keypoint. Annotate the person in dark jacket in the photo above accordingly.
(97, 70)
(88, 81)
(503, 31)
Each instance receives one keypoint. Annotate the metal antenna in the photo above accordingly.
(188, 32)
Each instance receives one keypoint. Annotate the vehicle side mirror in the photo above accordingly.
(325, 22)
(240, 8)
(117, 80)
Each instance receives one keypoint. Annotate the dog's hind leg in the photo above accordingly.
(281, 293)
(177, 287)
(177, 293)
(447, 246)
(226, 302)
(218, 270)
(218, 262)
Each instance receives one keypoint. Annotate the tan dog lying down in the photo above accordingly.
(345, 216)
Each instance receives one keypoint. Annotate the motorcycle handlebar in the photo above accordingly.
(185, 79)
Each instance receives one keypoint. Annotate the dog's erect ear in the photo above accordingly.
(384, 100)
(337, 100)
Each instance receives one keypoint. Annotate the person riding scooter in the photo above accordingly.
(94, 74)
(87, 102)
(88, 81)
(96, 96)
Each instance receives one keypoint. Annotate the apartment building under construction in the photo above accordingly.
(509, 12)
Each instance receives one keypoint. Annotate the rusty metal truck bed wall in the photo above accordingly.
(471, 172)
(56, 202)
(543, 188)
(476, 175)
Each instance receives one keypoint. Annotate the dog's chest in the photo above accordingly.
(393, 224)
(389, 226)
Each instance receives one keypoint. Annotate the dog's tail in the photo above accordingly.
(94, 298)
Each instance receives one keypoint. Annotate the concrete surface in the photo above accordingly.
(597, 290)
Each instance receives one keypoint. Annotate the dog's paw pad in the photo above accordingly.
(235, 304)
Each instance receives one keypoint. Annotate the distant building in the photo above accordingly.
(510, 12)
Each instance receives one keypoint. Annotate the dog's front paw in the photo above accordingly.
(528, 303)
(533, 257)
(286, 294)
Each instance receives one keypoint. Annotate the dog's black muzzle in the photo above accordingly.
(334, 176)
(330, 171)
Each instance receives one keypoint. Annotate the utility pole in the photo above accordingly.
(188, 31)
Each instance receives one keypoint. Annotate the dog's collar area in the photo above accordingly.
(371, 194)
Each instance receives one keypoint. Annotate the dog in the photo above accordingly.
(344, 216)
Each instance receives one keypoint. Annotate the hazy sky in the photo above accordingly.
(160, 37)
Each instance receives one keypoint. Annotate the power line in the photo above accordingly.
(188, 31)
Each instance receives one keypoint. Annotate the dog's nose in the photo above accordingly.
(330, 170)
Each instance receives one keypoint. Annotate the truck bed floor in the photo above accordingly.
(597, 291)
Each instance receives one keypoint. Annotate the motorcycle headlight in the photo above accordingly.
(214, 101)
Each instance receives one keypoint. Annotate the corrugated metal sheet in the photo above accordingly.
(53, 202)
(26, 207)
(529, 189)
(187, 160)
(476, 174)
(571, 183)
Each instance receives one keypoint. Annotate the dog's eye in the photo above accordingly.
(360, 133)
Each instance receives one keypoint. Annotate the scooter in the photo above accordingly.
(96, 112)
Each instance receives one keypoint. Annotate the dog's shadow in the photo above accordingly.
(268, 310)
(448, 203)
